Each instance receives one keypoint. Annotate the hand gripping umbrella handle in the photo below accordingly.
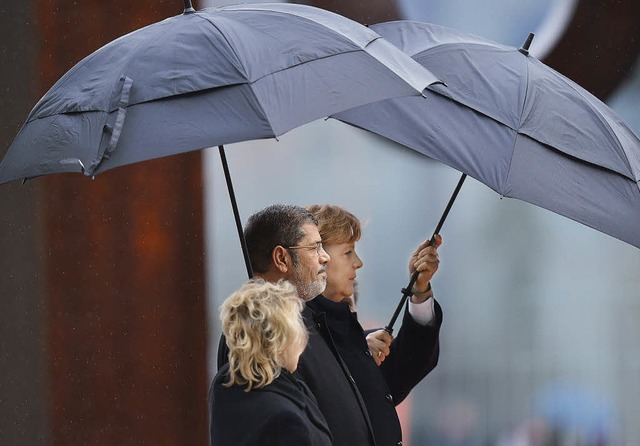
(406, 292)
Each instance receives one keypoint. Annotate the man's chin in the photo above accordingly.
(309, 291)
(317, 288)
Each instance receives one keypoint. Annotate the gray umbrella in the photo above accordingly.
(205, 78)
(516, 125)
(523, 129)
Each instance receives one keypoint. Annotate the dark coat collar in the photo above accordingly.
(338, 314)
(286, 385)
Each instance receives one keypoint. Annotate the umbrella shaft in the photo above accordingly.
(236, 213)
(406, 292)
(448, 208)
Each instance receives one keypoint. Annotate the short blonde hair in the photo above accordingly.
(260, 322)
(335, 224)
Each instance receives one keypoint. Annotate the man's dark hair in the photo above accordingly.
(275, 225)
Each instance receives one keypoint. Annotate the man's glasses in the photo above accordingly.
(317, 246)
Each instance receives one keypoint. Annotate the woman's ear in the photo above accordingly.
(281, 259)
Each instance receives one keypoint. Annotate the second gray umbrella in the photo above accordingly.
(516, 125)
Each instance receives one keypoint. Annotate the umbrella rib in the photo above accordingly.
(293, 65)
(587, 163)
(596, 113)
(306, 62)
(571, 84)
(238, 60)
(320, 23)
(609, 129)
(262, 109)
(494, 45)
(515, 139)
(288, 66)
(251, 83)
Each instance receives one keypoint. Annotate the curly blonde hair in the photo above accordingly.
(261, 322)
(335, 224)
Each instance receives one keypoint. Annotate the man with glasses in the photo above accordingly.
(284, 243)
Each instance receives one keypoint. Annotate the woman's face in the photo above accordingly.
(341, 270)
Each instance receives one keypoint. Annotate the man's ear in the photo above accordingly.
(281, 259)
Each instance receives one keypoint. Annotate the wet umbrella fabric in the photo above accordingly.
(516, 125)
(206, 78)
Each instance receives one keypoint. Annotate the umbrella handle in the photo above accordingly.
(406, 292)
(236, 213)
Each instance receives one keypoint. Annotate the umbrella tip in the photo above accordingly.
(524, 49)
(188, 8)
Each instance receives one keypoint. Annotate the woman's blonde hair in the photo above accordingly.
(260, 322)
(335, 224)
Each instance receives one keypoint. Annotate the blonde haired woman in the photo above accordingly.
(255, 399)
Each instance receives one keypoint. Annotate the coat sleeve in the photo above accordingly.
(414, 353)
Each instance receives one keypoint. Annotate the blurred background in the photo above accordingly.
(110, 288)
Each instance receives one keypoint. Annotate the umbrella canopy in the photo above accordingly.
(516, 125)
(206, 78)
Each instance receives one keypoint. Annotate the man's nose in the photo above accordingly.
(358, 263)
(324, 256)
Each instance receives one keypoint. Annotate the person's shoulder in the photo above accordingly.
(263, 401)
(220, 377)
(285, 386)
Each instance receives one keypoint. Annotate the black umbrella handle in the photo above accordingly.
(236, 213)
(406, 292)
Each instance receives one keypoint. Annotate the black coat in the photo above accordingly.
(357, 397)
(284, 413)
(337, 357)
